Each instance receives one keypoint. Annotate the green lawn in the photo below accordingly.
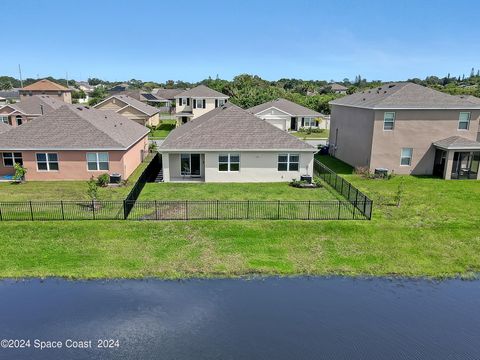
(433, 233)
(232, 191)
(64, 190)
(312, 136)
(162, 131)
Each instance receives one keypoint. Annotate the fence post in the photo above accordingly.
(248, 209)
(278, 209)
(31, 210)
(93, 209)
(186, 209)
(339, 209)
(217, 209)
(349, 187)
(63, 212)
(309, 204)
(124, 209)
(341, 188)
(1, 215)
(156, 210)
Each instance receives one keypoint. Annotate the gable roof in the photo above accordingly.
(231, 128)
(201, 91)
(34, 105)
(457, 142)
(404, 96)
(4, 127)
(337, 87)
(167, 93)
(137, 104)
(285, 105)
(45, 85)
(74, 128)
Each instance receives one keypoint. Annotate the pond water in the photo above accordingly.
(271, 318)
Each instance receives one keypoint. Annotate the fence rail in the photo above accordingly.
(345, 188)
(180, 210)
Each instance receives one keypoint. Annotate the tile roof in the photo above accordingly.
(45, 85)
(74, 127)
(404, 96)
(457, 142)
(167, 93)
(137, 104)
(4, 127)
(231, 128)
(32, 105)
(201, 91)
(287, 106)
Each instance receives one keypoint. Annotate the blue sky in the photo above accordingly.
(191, 40)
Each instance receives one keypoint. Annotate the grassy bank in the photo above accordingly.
(434, 232)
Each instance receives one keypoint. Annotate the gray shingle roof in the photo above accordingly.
(145, 108)
(202, 91)
(167, 93)
(457, 142)
(287, 106)
(74, 128)
(404, 96)
(4, 127)
(32, 105)
(231, 128)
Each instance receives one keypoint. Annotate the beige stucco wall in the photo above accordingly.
(416, 129)
(209, 105)
(355, 133)
(254, 167)
(73, 164)
(111, 104)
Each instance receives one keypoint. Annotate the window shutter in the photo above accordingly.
(194, 103)
(188, 101)
(303, 122)
(216, 103)
(204, 103)
(180, 102)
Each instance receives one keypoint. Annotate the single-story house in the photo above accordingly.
(131, 108)
(11, 96)
(228, 144)
(337, 88)
(47, 87)
(29, 108)
(197, 101)
(287, 115)
(74, 143)
(407, 129)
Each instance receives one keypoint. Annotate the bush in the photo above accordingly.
(20, 172)
(103, 180)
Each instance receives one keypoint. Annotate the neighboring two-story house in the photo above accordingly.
(196, 102)
(407, 129)
(29, 108)
(47, 87)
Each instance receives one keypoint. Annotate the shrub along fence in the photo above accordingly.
(358, 199)
(356, 206)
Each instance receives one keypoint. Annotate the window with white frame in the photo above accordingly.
(309, 122)
(199, 103)
(4, 119)
(97, 161)
(221, 102)
(388, 121)
(47, 161)
(9, 159)
(464, 121)
(229, 162)
(406, 157)
(288, 162)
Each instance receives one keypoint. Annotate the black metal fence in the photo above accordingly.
(180, 210)
(346, 189)
(147, 175)
(357, 206)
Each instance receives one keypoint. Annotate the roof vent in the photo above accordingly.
(79, 108)
(363, 99)
(385, 91)
(391, 85)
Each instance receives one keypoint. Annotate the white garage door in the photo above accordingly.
(280, 123)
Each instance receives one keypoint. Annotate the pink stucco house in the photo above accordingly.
(74, 143)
